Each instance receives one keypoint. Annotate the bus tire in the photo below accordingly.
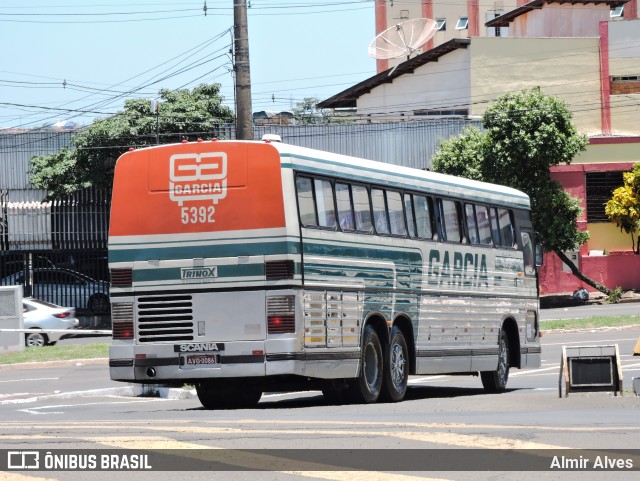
(496, 381)
(366, 388)
(396, 367)
(213, 395)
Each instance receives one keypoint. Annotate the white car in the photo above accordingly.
(43, 317)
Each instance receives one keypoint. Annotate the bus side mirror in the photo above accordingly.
(539, 255)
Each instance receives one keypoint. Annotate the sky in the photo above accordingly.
(78, 60)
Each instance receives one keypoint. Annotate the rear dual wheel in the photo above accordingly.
(384, 372)
(366, 388)
(396, 368)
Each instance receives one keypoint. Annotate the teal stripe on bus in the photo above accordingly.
(140, 253)
(175, 274)
(361, 252)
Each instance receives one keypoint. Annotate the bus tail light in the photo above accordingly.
(122, 320)
(281, 314)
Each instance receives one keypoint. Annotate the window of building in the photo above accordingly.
(496, 31)
(463, 23)
(404, 14)
(600, 187)
(617, 12)
(441, 24)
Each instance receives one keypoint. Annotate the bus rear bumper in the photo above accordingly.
(130, 363)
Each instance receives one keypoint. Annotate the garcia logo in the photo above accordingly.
(199, 272)
(194, 177)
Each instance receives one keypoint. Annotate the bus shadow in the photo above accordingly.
(414, 393)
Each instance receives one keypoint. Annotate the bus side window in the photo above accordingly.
(396, 214)
(451, 218)
(408, 211)
(505, 220)
(362, 208)
(423, 217)
(472, 225)
(345, 210)
(306, 205)
(484, 228)
(380, 219)
(324, 203)
(495, 229)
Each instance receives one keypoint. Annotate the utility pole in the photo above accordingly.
(244, 114)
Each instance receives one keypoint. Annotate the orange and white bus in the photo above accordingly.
(244, 267)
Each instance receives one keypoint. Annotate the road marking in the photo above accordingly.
(36, 410)
(537, 371)
(249, 460)
(35, 379)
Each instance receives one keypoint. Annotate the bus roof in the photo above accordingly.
(396, 175)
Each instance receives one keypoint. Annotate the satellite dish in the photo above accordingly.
(402, 39)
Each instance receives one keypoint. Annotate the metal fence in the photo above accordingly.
(58, 250)
(70, 278)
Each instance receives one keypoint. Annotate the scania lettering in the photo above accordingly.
(242, 267)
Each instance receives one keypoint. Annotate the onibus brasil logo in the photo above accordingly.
(196, 178)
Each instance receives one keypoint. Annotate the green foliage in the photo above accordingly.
(183, 114)
(306, 113)
(525, 133)
(461, 155)
(624, 206)
(615, 296)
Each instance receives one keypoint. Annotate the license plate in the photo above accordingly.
(195, 360)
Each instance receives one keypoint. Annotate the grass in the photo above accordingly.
(56, 353)
(589, 322)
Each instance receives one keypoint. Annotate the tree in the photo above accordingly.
(306, 112)
(182, 114)
(624, 206)
(525, 133)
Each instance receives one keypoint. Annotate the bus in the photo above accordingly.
(244, 267)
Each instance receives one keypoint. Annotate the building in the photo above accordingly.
(470, 18)
(586, 52)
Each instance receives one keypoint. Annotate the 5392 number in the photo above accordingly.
(197, 215)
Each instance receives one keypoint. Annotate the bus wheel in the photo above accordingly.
(367, 386)
(213, 395)
(396, 368)
(496, 381)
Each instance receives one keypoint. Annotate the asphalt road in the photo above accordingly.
(75, 406)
